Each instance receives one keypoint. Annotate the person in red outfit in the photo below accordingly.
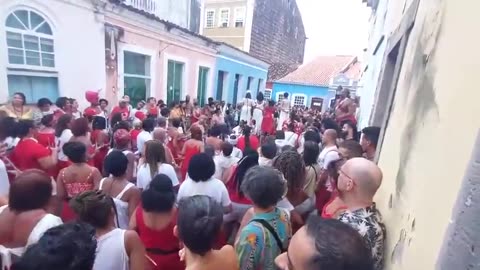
(268, 122)
(248, 140)
(29, 154)
(191, 147)
(122, 108)
(46, 134)
(154, 220)
(93, 98)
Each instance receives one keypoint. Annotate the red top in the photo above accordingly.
(324, 210)
(124, 111)
(233, 192)
(254, 143)
(162, 246)
(46, 139)
(134, 134)
(189, 153)
(26, 154)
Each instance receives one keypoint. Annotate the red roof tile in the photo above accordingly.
(320, 70)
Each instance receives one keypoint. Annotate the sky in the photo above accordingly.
(334, 27)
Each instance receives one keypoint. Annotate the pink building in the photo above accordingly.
(146, 56)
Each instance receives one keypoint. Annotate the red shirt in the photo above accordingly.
(254, 143)
(124, 111)
(26, 154)
(134, 134)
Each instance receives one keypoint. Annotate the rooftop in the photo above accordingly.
(322, 69)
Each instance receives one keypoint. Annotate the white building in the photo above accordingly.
(374, 59)
(50, 48)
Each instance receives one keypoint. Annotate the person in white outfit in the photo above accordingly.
(224, 160)
(246, 112)
(284, 111)
(117, 249)
(25, 219)
(75, 241)
(125, 194)
(259, 105)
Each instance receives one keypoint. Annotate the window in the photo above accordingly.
(29, 40)
(299, 100)
(136, 76)
(249, 83)
(202, 85)
(224, 17)
(259, 85)
(280, 96)
(268, 94)
(174, 81)
(239, 17)
(34, 87)
(210, 18)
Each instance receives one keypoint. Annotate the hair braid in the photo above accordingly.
(292, 166)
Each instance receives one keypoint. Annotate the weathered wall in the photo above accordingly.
(432, 130)
(279, 40)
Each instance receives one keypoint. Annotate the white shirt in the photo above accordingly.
(142, 138)
(237, 152)
(4, 183)
(111, 252)
(60, 141)
(328, 155)
(222, 163)
(213, 188)
(144, 177)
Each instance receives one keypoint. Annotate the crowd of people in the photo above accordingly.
(255, 185)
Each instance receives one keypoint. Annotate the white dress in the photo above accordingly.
(121, 206)
(258, 115)
(284, 113)
(246, 112)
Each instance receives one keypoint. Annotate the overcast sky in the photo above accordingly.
(334, 27)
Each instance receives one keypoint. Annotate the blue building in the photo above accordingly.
(311, 85)
(236, 73)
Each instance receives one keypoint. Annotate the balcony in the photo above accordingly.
(149, 6)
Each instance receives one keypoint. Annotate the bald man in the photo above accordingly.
(330, 151)
(358, 181)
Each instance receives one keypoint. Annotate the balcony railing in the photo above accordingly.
(149, 6)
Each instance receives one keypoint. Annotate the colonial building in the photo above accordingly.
(315, 83)
(270, 30)
(121, 47)
(423, 58)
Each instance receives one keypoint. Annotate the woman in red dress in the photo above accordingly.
(154, 221)
(268, 123)
(75, 179)
(80, 131)
(100, 139)
(46, 134)
(191, 147)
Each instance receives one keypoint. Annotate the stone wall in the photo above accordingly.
(278, 35)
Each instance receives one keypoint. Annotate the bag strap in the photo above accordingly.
(269, 227)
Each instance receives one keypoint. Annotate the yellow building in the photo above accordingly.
(427, 100)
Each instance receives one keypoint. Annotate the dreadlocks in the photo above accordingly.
(291, 164)
(93, 207)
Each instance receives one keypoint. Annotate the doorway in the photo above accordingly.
(174, 81)
(316, 103)
(220, 83)
(235, 89)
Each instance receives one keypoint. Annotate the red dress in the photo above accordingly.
(254, 143)
(162, 246)
(73, 188)
(27, 153)
(268, 123)
(190, 151)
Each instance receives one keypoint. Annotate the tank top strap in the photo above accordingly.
(125, 189)
(101, 183)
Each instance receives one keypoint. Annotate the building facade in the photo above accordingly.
(248, 25)
(429, 144)
(236, 73)
(46, 52)
(315, 83)
(156, 58)
(184, 13)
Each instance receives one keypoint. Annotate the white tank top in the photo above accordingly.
(111, 252)
(122, 206)
(126, 152)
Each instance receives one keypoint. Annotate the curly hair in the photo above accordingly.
(292, 166)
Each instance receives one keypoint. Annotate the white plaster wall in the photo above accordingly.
(79, 44)
(370, 78)
(175, 11)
